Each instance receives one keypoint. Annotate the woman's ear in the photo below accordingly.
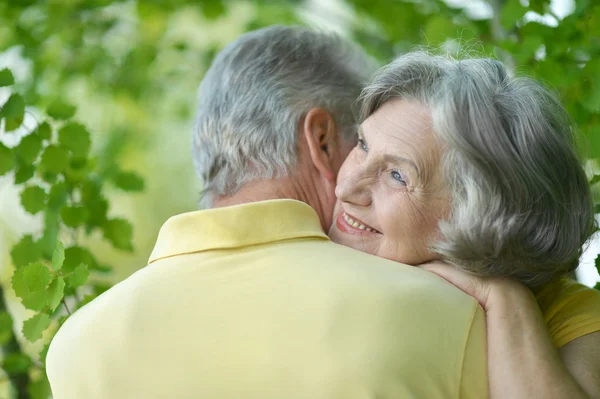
(321, 135)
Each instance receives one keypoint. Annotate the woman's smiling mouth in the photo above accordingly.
(352, 225)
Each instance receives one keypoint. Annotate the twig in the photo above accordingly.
(66, 307)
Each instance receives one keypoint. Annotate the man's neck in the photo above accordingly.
(282, 188)
(262, 190)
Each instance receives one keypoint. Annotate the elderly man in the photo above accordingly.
(250, 299)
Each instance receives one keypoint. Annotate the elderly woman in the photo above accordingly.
(458, 161)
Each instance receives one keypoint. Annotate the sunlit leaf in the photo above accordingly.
(213, 9)
(43, 354)
(73, 216)
(7, 160)
(33, 199)
(55, 293)
(129, 181)
(44, 131)
(13, 111)
(50, 235)
(119, 232)
(79, 276)
(59, 109)
(57, 196)
(75, 256)
(55, 159)
(6, 77)
(75, 138)
(25, 252)
(512, 11)
(58, 257)
(29, 148)
(23, 173)
(35, 326)
(31, 278)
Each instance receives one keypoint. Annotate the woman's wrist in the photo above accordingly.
(507, 294)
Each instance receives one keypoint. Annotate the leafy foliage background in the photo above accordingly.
(98, 99)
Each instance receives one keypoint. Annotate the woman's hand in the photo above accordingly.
(488, 291)
(522, 362)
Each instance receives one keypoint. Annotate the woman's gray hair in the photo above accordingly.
(521, 203)
(255, 94)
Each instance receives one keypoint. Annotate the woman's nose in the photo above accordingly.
(354, 189)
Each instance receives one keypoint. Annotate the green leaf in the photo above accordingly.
(13, 108)
(7, 160)
(23, 173)
(40, 389)
(595, 179)
(512, 12)
(50, 235)
(35, 326)
(29, 148)
(213, 9)
(129, 181)
(6, 77)
(43, 354)
(59, 109)
(25, 252)
(44, 131)
(35, 300)
(597, 286)
(77, 171)
(75, 256)
(58, 257)
(31, 278)
(539, 6)
(13, 111)
(439, 28)
(29, 283)
(75, 138)
(17, 363)
(6, 325)
(55, 159)
(119, 232)
(57, 196)
(55, 293)
(73, 216)
(33, 199)
(79, 276)
(598, 263)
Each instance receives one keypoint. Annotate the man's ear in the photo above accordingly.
(321, 135)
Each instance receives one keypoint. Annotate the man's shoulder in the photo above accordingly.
(357, 275)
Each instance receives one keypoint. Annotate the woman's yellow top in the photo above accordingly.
(570, 310)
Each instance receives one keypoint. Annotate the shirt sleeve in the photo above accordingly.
(474, 379)
(571, 310)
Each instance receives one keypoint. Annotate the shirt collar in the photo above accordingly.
(236, 226)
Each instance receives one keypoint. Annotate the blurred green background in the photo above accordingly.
(132, 68)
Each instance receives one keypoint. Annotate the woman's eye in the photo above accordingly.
(362, 145)
(397, 176)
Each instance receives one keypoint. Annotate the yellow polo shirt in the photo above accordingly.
(254, 301)
(571, 310)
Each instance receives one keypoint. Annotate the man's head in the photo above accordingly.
(277, 102)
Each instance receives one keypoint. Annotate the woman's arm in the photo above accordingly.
(582, 358)
(522, 362)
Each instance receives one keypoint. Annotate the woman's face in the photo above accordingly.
(390, 190)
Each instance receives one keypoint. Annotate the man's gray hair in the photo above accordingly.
(521, 203)
(255, 94)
